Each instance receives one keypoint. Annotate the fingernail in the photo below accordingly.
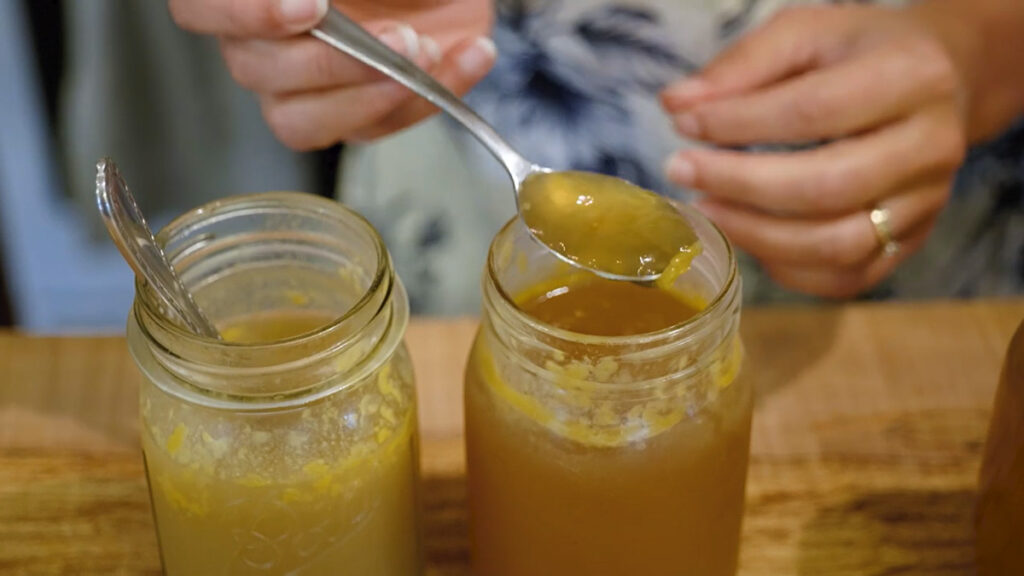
(684, 92)
(687, 124)
(402, 39)
(433, 50)
(680, 169)
(478, 58)
(303, 11)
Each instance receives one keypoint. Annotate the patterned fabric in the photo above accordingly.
(567, 90)
(575, 88)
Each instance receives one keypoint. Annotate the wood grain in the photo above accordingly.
(868, 432)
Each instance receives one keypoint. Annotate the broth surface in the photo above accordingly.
(607, 224)
(273, 327)
(600, 307)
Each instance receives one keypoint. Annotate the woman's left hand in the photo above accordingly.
(881, 87)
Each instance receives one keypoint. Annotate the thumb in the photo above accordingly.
(794, 41)
(248, 18)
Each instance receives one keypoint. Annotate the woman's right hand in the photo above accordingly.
(313, 96)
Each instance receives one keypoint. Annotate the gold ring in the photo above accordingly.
(880, 219)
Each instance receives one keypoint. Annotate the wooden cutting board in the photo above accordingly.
(868, 433)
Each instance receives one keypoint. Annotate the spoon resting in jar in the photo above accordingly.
(133, 237)
(600, 223)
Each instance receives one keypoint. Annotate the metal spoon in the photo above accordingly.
(339, 31)
(349, 37)
(133, 237)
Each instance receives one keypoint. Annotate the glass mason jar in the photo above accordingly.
(1000, 514)
(606, 455)
(290, 447)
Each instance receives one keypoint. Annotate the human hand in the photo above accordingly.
(313, 96)
(881, 86)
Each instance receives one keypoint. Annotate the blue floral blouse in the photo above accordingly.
(575, 87)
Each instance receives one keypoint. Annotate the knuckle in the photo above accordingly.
(831, 284)
(780, 17)
(181, 13)
(828, 191)
(940, 199)
(934, 67)
(869, 279)
(842, 250)
(239, 66)
(809, 16)
(706, 121)
(244, 14)
(286, 127)
(390, 124)
(377, 131)
(931, 204)
(796, 14)
(321, 62)
(809, 111)
(845, 285)
(950, 146)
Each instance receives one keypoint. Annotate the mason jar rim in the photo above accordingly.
(183, 224)
(691, 325)
(384, 293)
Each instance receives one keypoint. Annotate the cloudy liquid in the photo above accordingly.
(554, 497)
(230, 497)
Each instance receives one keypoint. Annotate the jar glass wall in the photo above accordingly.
(290, 447)
(606, 455)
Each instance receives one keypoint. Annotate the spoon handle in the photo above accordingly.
(133, 237)
(349, 37)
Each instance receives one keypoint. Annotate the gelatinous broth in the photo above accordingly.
(607, 224)
(554, 497)
(328, 488)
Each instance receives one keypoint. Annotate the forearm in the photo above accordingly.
(986, 41)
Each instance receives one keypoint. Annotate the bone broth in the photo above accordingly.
(290, 447)
(607, 428)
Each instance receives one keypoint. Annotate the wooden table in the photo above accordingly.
(868, 430)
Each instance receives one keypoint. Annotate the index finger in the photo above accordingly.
(789, 43)
(831, 102)
(248, 18)
(839, 177)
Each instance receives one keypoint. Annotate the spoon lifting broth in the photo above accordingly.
(605, 225)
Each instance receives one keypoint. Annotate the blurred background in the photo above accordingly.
(84, 80)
